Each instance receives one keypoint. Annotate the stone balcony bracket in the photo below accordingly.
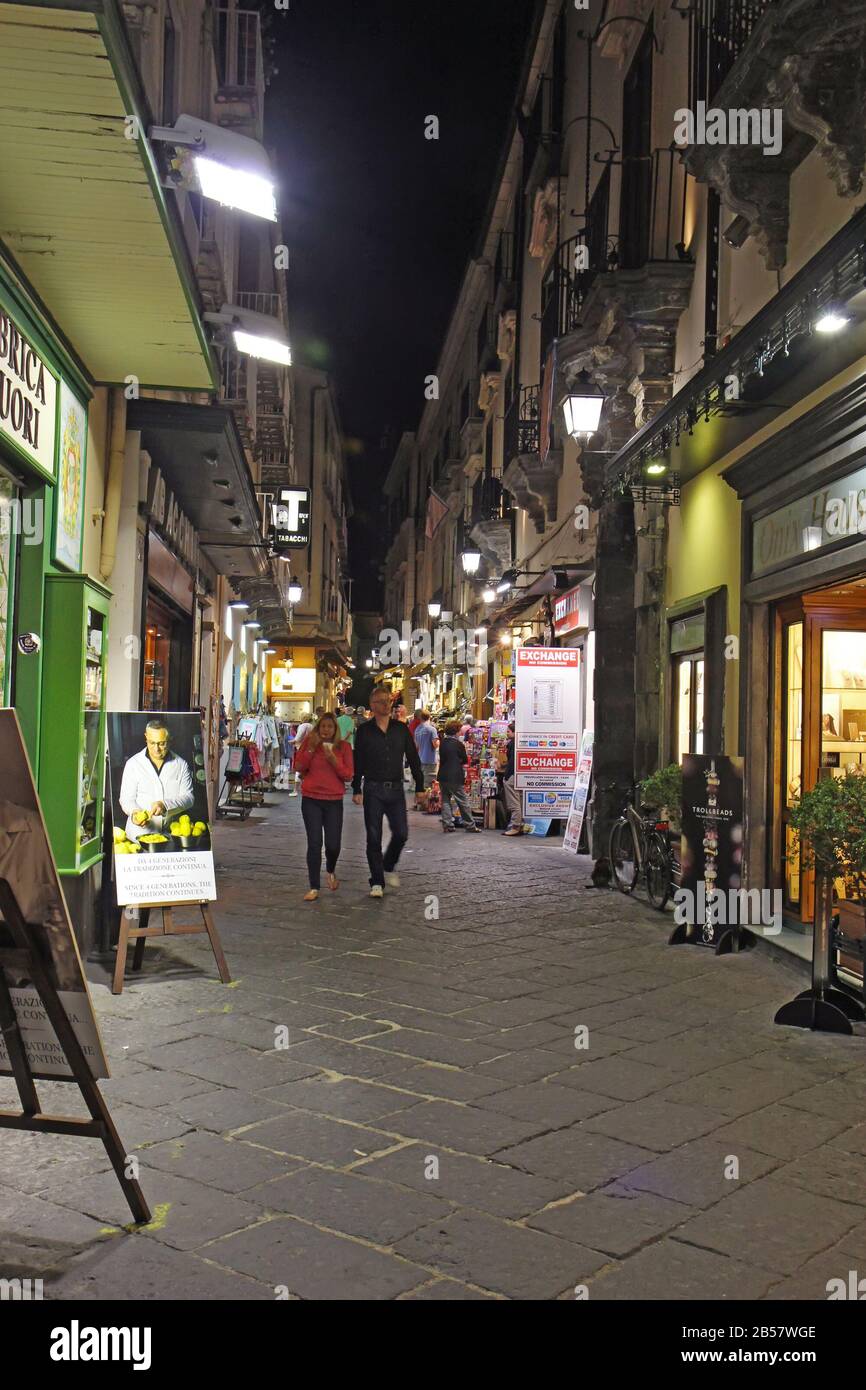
(534, 485)
(627, 344)
(807, 61)
(493, 539)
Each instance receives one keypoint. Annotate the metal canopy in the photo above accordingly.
(213, 495)
(82, 209)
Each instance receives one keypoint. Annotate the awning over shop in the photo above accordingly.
(198, 450)
(82, 209)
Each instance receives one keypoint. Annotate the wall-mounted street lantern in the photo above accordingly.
(470, 560)
(582, 407)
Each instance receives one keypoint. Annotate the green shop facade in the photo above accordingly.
(53, 617)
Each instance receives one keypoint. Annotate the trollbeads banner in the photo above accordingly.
(712, 844)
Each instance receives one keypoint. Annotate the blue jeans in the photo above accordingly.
(382, 799)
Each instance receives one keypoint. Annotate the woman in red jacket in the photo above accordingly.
(324, 764)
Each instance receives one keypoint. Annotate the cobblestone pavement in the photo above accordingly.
(431, 1130)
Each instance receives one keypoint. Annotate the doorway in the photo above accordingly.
(819, 717)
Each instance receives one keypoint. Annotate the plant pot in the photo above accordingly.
(852, 922)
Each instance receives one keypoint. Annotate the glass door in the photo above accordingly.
(792, 754)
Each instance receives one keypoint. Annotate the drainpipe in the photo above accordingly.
(113, 483)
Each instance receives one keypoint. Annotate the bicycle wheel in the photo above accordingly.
(622, 855)
(658, 872)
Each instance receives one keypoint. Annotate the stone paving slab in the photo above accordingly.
(431, 1132)
(313, 1263)
(772, 1225)
(507, 1259)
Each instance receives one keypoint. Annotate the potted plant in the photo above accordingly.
(663, 790)
(831, 822)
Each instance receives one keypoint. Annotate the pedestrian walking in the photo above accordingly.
(513, 798)
(427, 742)
(380, 749)
(346, 721)
(452, 780)
(324, 763)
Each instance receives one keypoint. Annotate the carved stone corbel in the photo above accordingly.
(545, 219)
(506, 335)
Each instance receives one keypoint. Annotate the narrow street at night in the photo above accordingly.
(432, 1130)
(432, 681)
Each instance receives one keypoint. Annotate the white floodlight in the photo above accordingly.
(230, 168)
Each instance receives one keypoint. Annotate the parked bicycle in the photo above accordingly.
(639, 849)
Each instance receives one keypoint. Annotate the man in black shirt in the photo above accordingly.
(452, 760)
(380, 747)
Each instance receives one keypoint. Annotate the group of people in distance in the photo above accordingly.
(372, 752)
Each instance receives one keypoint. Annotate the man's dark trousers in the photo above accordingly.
(384, 799)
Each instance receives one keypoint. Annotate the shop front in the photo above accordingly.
(53, 618)
(804, 587)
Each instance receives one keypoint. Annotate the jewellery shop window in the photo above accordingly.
(687, 685)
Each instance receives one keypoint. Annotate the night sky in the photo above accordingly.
(380, 222)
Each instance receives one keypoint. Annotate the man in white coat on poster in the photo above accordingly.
(156, 785)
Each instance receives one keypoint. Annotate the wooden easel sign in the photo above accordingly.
(161, 830)
(27, 865)
(48, 1030)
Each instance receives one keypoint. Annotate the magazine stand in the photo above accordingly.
(128, 932)
(23, 958)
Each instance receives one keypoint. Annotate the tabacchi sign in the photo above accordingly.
(28, 397)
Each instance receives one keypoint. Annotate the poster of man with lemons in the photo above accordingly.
(159, 803)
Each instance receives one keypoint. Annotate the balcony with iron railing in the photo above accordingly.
(240, 92)
(718, 32)
(260, 302)
(488, 521)
(531, 480)
(799, 66)
(650, 232)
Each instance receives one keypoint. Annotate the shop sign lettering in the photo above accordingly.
(28, 397)
(164, 512)
(833, 513)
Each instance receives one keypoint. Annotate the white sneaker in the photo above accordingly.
(377, 891)
(392, 880)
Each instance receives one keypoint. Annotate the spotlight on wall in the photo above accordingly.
(489, 596)
(239, 605)
(831, 319)
(508, 581)
(656, 468)
(737, 232)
